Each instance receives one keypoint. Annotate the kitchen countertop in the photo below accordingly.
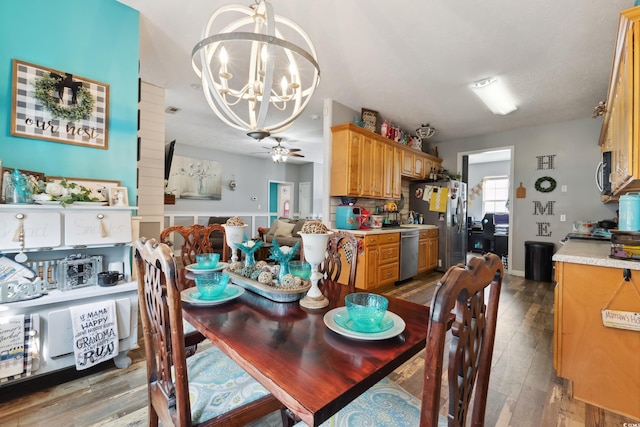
(386, 230)
(591, 252)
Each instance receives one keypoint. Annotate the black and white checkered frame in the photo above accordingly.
(30, 119)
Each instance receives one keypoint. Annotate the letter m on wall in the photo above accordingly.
(539, 209)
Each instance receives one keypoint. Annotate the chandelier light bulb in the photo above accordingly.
(267, 49)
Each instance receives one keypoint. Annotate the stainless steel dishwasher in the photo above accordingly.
(408, 253)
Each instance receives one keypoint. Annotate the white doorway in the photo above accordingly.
(281, 199)
(304, 199)
(478, 165)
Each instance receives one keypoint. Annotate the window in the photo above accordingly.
(495, 194)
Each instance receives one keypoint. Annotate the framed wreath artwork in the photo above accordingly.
(58, 106)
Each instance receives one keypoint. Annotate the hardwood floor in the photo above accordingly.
(524, 390)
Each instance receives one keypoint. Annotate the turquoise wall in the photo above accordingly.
(95, 39)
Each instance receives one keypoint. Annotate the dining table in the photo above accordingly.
(308, 366)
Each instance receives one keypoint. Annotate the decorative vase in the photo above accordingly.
(249, 259)
(284, 269)
(315, 248)
(235, 236)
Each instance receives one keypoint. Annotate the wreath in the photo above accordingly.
(551, 184)
(44, 89)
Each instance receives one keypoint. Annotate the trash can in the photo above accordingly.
(538, 265)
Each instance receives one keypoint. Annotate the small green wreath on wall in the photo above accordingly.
(546, 184)
(44, 89)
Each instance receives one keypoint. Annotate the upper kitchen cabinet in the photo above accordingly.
(364, 164)
(620, 127)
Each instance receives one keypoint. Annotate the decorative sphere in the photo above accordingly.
(265, 278)
(261, 264)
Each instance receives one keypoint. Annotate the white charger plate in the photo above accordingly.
(230, 293)
(195, 269)
(397, 328)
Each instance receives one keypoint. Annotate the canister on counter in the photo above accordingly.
(629, 216)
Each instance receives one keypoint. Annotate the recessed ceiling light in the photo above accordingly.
(495, 95)
(196, 86)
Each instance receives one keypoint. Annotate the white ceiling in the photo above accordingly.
(411, 61)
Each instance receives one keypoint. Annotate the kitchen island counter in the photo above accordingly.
(600, 361)
(591, 252)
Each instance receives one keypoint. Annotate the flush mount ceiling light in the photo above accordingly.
(258, 71)
(495, 95)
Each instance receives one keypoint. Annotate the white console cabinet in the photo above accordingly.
(52, 233)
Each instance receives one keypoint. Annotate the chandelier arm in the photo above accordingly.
(243, 35)
(268, 77)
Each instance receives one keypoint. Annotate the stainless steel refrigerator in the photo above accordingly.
(448, 213)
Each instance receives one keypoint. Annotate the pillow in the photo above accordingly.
(298, 227)
(274, 227)
(284, 229)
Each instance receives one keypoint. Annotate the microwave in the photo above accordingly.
(603, 174)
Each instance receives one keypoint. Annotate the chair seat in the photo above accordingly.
(188, 328)
(218, 385)
(386, 404)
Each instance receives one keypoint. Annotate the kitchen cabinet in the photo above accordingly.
(378, 261)
(364, 164)
(620, 126)
(601, 362)
(101, 234)
(391, 172)
(415, 165)
(428, 250)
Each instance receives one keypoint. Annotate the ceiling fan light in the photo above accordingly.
(495, 95)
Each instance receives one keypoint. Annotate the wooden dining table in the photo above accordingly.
(311, 369)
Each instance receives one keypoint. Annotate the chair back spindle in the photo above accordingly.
(342, 246)
(472, 295)
(195, 240)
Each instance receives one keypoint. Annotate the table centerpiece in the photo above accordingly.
(234, 230)
(315, 236)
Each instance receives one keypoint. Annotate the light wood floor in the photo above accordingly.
(524, 390)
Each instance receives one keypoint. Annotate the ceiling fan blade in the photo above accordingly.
(291, 150)
(295, 155)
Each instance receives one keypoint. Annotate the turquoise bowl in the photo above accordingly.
(207, 260)
(302, 269)
(366, 310)
(211, 285)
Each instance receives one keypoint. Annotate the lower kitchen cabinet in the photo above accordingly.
(601, 362)
(378, 261)
(428, 250)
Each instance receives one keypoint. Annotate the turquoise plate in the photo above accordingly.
(342, 319)
(192, 296)
(194, 268)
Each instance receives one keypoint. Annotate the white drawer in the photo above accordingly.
(41, 230)
(97, 228)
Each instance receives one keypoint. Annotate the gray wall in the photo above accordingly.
(252, 176)
(575, 145)
(477, 172)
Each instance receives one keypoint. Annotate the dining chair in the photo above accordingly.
(207, 388)
(342, 246)
(196, 239)
(461, 306)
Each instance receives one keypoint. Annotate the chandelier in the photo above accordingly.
(254, 75)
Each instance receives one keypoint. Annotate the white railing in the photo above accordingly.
(253, 219)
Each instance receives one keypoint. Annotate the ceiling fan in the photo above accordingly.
(279, 153)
